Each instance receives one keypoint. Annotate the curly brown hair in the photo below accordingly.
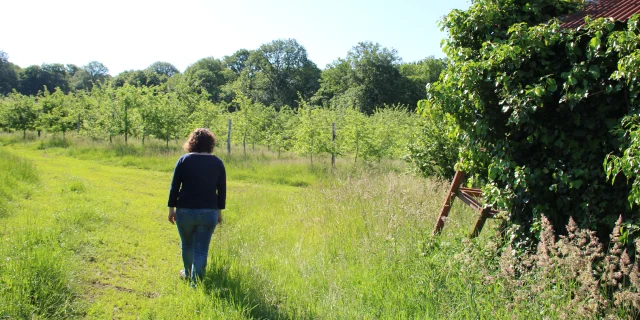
(200, 140)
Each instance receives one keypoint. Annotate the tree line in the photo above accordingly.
(143, 112)
(276, 74)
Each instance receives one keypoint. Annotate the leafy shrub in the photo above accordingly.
(536, 104)
(434, 149)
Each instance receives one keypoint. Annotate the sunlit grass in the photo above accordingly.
(296, 243)
(34, 277)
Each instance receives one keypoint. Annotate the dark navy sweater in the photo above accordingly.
(199, 182)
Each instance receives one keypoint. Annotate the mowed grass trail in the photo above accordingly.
(126, 255)
(350, 245)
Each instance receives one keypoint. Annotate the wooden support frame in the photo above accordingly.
(448, 201)
(471, 197)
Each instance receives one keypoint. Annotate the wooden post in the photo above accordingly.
(333, 139)
(229, 139)
(448, 201)
(126, 126)
(39, 110)
(484, 214)
(78, 123)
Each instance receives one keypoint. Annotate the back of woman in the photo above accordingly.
(197, 194)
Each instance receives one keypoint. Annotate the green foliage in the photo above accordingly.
(372, 76)
(9, 74)
(418, 75)
(249, 121)
(162, 112)
(389, 132)
(209, 115)
(164, 69)
(354, 131)
(59, 112)
(169, 118)
(287, 71)
(89, 75)
(369, 75)
(206, 75)
(628, 163)
(280, 132)
(34, 79)
(535, 104)
(313, 131)
(433, 151)
(101, 119)
(137, 78)
(19, 113)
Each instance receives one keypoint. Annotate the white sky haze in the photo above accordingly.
(132, 34)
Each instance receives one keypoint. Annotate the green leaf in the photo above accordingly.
(551, 85)
(595, 71)
(575, 184)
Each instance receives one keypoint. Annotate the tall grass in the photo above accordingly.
(34, 278)
(357, 247)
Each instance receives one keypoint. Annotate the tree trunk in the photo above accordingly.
(244, 145)
(24, 134)
(311, 154)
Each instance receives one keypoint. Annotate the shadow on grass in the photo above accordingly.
(226, 284)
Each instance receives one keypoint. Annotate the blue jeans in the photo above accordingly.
(195, 227)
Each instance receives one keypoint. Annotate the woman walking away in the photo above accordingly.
(198, 191)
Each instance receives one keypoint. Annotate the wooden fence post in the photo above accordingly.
(333, 139)
(229, 139)
(39, 110)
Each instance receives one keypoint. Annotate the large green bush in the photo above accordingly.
(537, 105)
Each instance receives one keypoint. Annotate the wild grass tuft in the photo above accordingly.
(34, 277)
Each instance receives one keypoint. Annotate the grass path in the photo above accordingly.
(354, 247)
(127, 254)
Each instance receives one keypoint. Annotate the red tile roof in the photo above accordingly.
(620, 10)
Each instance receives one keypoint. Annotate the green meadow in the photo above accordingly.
(85, 235)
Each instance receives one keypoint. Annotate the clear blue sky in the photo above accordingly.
(132, 34)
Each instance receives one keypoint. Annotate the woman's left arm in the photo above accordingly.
(174, 189)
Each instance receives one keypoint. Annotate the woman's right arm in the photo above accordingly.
(221, 185)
